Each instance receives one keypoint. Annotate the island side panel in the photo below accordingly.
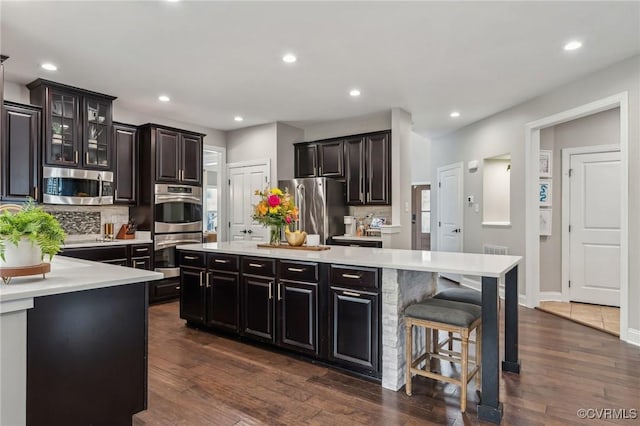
(400, 289)
(86, 356)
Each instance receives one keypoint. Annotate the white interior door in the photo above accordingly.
(243, 182)
(594, 238)
(450, 214)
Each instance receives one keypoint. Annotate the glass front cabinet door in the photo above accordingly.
(97, 133)
(63, 129)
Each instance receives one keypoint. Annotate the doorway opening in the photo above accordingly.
(421, 217)
(213, 173)
(533, 181)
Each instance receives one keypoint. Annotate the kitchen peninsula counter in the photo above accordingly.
(81, 334)
(409, 276)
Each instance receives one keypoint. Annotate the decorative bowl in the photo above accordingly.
(295, 238)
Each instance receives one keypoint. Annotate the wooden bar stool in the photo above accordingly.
(453, 317)
(463, 295)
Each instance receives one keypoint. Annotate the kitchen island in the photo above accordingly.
(334, 286)
(73, 346)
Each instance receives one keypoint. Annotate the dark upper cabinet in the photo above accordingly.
(354, 173)
(191, 159)
(368, 169)
(306, 160)
(125, 141)
(324, 159)
(19, 151)
(178, 157)
(331, 159)
(167, 155)
(378, 167)
(77, 125)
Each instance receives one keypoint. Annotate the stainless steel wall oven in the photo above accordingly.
(177, 208)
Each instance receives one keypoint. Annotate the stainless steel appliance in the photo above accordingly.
(77, 186)
(177, 208)
(166, 256)
(350, 226)
(322, 205)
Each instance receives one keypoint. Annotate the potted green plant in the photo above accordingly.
(28, 235)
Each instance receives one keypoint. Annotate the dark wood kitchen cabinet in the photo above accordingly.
(210, 290)
(298, 316)
(258, 307)
(77, 125)
(354, 313)
(368, 169)
(125, 146)
(19, 152)
(323, 159)
(178, 157)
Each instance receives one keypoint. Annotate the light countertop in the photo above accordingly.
(68, 275)
(413, 260)
(93, 242)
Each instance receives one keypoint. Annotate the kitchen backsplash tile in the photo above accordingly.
(376, 211)
(81, 222)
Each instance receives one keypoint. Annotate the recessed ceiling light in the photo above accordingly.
(573, 45)
(354, 92)
(164, 98)
(49, 66)
(238, 118)
(289, 58)
(454, 114)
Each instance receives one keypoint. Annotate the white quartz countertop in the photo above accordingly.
(68, 275)
(355, 238)
(93, 242)
(413, 260)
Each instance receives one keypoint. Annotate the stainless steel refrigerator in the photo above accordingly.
(322, 205)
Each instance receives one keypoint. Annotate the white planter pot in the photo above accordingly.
(24, 254)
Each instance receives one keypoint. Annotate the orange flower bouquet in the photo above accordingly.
(275, 209)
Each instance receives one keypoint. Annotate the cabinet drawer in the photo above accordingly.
(259, 266)
(298, 271)
(141, 263)
(141, 250)
(351, 276)
(223, 262)
(98, 254)
(164, 290)
(193, 259)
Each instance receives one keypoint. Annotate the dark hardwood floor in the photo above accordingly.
(196, 378)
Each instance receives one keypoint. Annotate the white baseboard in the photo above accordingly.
(633, 336)
(477, 285)
(550, 296)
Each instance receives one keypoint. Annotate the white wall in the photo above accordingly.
(504, 133)
(496, 190)
(19, 93)
(286, 137)
(597, 129)
(347, 126)
(420, 159)
(401, 177)
(254, 143)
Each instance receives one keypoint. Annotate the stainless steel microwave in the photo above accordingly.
(77, 187)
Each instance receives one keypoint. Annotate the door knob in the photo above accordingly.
(249, 231)
(244, 231)
(457, 230)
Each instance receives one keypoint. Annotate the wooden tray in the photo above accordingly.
(287, 246)
(23, 271)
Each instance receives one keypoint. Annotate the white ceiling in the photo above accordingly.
(218, 59)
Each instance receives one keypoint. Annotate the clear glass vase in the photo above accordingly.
(275, 235)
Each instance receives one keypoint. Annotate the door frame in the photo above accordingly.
(566, 206)
(458, 165)
(227, 194)
(532, 208)
(222, 189)
(414, 225)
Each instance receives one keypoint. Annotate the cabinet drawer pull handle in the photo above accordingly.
(76, 155)
(86, 158)
(256, 265)
(191, 257)
(178, 288)
(350, 293)
(220, 261)
(139, 263)
(354, 245)
(201, 283)
(145, 250)
(296, 269)
(353, 276)
(270, 290)
(208, 285)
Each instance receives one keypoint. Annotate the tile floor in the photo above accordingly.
(605, 318)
